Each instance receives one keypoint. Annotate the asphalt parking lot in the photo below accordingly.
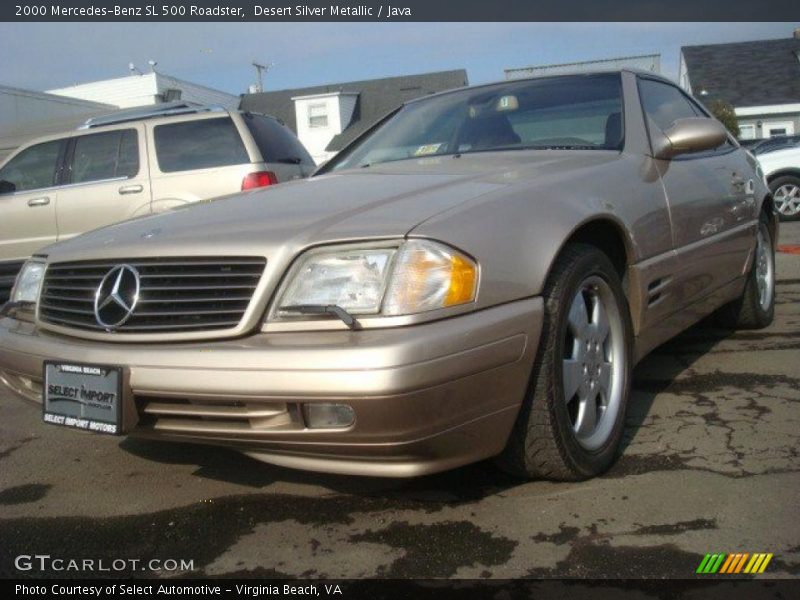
(710, 464)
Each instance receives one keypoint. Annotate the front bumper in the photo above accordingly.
(426, 398)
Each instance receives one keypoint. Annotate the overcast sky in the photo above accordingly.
(48, 55)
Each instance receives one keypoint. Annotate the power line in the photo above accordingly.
(261, 68)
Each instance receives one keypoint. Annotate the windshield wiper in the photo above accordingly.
(565, 147)
(460, 153)
(325, 309)
(520, 148)
(289, 160)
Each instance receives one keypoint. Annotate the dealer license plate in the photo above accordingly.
(83, 396)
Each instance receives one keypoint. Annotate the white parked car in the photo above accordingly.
(782, 170)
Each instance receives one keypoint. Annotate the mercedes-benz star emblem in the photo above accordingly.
(116, 297)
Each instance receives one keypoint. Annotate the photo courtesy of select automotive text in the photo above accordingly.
(400, 299)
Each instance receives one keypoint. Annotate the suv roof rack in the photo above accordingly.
(165, 109)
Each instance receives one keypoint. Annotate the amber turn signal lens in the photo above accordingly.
(463, 277)
(429, 275)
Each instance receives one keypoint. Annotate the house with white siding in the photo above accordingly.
(760, 79)
(145, 89)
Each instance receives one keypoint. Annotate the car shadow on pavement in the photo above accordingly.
(466, 484)
(659, 370)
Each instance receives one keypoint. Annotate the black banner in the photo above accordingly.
(401, 10)
(391, 589)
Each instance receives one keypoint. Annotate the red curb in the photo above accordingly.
(789, 249)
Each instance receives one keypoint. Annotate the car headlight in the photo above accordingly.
(428, 275)
(412, 277)
(29, 281)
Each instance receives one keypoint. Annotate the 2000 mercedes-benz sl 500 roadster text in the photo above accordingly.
(474, 277)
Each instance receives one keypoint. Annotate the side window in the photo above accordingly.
(664, 104)
(33, 168)
(747, 132)
(128, 161)
(105, 156)
(276, 142)
(199, 144)
(317, 115)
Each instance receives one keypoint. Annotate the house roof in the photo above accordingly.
(30, 114)
(763, 72)
(376, 98)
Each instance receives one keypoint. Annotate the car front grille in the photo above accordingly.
(175, 294)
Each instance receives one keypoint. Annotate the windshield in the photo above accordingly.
(571, 112)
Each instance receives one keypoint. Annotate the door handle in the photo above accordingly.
(43, 201)
(130, 189)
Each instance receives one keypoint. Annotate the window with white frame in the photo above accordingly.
(317, 115)
(777, 128)
(747, 132)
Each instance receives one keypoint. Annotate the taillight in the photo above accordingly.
(258, 179)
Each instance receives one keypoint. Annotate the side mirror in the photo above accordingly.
(694, 134)
(6, 187)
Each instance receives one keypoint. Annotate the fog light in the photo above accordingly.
(328, 416)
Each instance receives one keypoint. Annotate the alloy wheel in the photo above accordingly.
(787, 199)
(593, 363)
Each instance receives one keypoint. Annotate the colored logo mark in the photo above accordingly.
(741, 562)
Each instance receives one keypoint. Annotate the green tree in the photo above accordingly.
(725, 114)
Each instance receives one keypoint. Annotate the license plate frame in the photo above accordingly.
(90, 397)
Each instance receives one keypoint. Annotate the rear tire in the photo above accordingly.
(786, 197)
(755, 308)
(571, 422)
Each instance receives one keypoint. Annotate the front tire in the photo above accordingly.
(571, 422)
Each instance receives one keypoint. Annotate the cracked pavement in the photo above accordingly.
(709, 464)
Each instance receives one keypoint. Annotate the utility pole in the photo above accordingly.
(261, 68)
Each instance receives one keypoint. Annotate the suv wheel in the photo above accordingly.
(786, 195)
(571, 423)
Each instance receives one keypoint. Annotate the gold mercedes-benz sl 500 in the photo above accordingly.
(474, 277)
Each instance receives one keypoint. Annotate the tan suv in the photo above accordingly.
(135, 162)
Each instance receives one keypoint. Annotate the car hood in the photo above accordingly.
(378, 202)
(779, 159)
